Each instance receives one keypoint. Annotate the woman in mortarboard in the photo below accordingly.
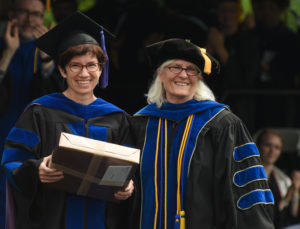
(199, 165)
(77, 45)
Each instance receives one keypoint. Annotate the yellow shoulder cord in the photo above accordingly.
(155, 173)
(180, 217)
(48, 6)
(166, 170)
(35, 60)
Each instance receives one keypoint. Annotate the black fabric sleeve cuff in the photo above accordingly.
(2, 74)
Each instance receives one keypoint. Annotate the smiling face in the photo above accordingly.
(29, 16)
(81, 84)
(179, 87)
(270, 148)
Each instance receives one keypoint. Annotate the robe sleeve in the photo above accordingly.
(20, 158)
(5, 92)
(242, 195)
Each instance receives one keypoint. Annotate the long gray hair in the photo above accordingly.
(157, 94)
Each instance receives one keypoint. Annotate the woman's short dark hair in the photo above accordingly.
(80, 50)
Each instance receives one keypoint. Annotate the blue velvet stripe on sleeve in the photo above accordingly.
(245, 151)
(24, 137)
(255, 197)
(16, 155)
(248, 175)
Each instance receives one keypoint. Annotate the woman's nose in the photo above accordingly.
(183, 73)
(84, 71)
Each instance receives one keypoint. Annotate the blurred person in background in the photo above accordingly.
(278, 45)
(20, 64)
(63, 8)
(278, 67)
(238, 52)
(285, 189)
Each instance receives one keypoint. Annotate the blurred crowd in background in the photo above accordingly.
(257, 43)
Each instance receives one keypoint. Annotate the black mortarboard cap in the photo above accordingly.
(74, 30)
(176, 48)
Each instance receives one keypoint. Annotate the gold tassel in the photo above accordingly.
(207, 61)
(182, 219)
(181, 213)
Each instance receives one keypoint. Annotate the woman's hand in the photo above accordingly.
(123, 195)
(40, 30)
(296, 179)
(48, 175)
(292, 193)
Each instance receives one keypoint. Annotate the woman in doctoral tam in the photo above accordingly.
(78, 47)
(199, 166)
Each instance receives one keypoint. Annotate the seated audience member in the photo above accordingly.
(237, 50)
(278, 46)
(279, 69)
(284, 188)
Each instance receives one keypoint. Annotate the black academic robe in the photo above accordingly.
(222, 182)
(34, 136)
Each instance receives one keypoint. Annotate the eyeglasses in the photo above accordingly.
(90, 67)
(190, 71)
(33, 14)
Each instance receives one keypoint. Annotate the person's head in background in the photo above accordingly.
(28, 15)
(269, 12)
(228, 16)
(257, 12)
(269, 143)
(63, 8)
